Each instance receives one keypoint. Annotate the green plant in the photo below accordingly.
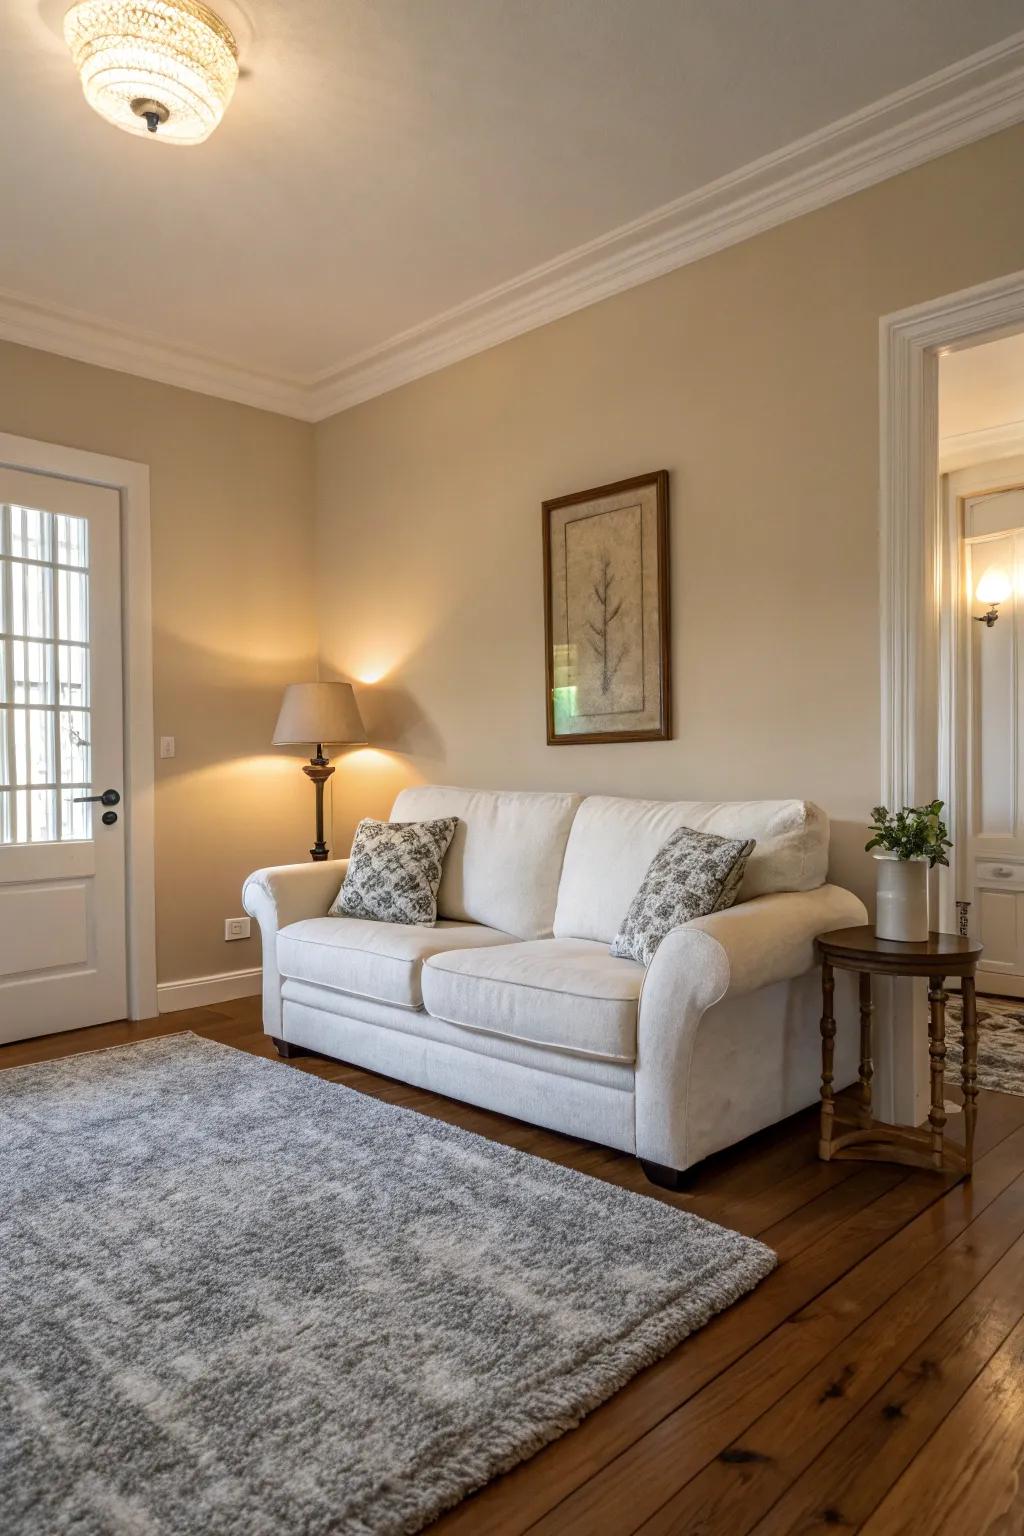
(916, 832)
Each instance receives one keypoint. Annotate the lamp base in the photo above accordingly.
(319, 771)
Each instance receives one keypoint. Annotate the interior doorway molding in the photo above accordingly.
(131, 481)
(916, 717)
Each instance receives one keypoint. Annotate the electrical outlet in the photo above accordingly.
(236, 928)
(166, 746)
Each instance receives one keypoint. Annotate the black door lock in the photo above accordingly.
(108, 818)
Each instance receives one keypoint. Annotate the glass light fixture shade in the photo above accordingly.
(994, 586)
(171, 55)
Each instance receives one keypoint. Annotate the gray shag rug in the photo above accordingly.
(240, 1301)
(1000, 1043)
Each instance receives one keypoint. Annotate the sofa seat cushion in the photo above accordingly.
(563, 994)
(370, 959)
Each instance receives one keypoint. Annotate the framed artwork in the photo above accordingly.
(606, 613)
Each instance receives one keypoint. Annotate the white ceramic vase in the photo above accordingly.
(901, 911)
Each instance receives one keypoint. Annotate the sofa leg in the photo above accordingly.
(285, 1049)
(665, 1178)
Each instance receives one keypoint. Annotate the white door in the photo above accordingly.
(62, 853)
(994, 537)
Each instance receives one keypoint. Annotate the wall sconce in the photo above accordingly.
(993, 588)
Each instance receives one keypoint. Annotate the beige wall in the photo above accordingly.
(232, 500)
(752, 377)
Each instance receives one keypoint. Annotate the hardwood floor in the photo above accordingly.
(875, 1381)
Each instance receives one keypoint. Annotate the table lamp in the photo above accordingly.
(319, 713)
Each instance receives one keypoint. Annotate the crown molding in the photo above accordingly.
(966, 101)
(70, 333)
(970, 99)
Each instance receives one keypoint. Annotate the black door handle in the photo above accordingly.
(108, 797)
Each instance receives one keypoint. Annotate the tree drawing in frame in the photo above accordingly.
(609, 608)
(606, 613)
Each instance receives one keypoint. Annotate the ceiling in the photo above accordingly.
(384, 161)
(982, 388)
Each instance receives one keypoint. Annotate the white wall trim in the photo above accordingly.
(965, 449)
(70, 333)
(206, 991)
(131, 481)
(976, 96)
(916, 756)
(911, 513)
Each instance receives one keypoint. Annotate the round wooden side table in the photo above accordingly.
(847, 1127)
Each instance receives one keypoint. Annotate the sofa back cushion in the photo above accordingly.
(505, 860)
(614, 840)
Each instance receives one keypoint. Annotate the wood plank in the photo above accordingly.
(747, 1476)
(971, 1478)
(844, 1485)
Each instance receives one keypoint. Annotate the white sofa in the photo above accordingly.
(513, 1001)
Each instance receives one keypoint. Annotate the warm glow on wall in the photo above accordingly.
(994, 586)
(372, 759)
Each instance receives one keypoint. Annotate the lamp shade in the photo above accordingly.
(319, 712)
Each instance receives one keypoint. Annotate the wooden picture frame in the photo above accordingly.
(606, 613)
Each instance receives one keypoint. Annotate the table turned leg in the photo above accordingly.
(937, 1054)
(828, 1036)
(867, 1067)
(969, 1070)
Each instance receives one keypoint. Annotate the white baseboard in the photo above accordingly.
(204, 991)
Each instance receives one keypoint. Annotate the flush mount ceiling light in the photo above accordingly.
(165, 67)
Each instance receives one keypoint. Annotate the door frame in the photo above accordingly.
(916, 756)
(131, 481)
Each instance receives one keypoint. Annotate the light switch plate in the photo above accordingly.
(166, 746)
(236, 928)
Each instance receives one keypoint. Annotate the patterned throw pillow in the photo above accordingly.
(692, 875)
(394, 871)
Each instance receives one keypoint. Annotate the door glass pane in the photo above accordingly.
(19, 731)
(45, 718)
(32, 600)
(33, 672)
(72, 541)
(31, 533)
(73, 604)
(42, 768)
(75, 747)
(75, 818)
(43, 819)
(73, 665)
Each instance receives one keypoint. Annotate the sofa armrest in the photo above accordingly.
(772, 937)
(280, 895)
(751, 945)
